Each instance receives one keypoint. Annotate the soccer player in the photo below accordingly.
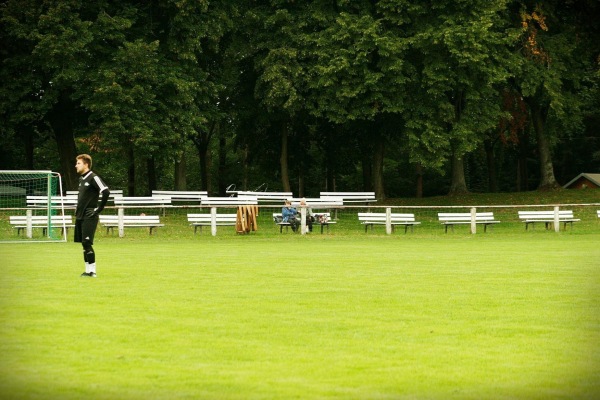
(86, 214)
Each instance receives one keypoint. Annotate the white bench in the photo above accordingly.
(316, 202)
(21, 222)
(69, 201)
(373, 218)
(144, 201)
(320, 218)
(267, 197)
(352, 197)
(200, 220)
(229, 201)
(180, 195)
(130, 221)
(161, 202)
(547, 218)
(451, 219)
(113, 193)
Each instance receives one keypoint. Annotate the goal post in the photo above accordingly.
(32, 208)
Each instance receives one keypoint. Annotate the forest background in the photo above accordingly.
(404, 98)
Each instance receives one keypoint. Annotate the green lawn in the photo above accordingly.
(503, 315)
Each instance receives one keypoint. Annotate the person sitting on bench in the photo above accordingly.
(289, 214)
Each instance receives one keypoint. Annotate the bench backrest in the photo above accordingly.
(41, 219)
(545, 215)
(55, 201)
(229, 201)
(113, 193)
(159, 201)
(317, 202)
(130, 219)
(462, 217)
(266, 196)
(207, 218)
(180, 195)
(381, 217)
(351, 197)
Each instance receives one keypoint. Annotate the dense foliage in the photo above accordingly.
(394, 96)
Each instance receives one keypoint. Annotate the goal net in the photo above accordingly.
(32, 208)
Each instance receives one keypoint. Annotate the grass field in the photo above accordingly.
(503, 315)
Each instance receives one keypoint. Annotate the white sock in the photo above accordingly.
(93, 267)
(87, 268)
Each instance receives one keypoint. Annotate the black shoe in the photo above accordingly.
(92, 274)
(85, 274)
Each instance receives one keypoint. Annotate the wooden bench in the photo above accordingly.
(547, 218)
(370, 219)
(481, 218)
(200, 220)
(130, 221)
(351, 197)
(322, 219)
(20, 222)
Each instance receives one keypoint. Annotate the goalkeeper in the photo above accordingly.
(86, 214)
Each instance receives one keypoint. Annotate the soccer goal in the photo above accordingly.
(32, 208)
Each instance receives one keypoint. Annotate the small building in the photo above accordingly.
(584, 181)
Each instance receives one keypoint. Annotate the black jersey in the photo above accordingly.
(90, 187)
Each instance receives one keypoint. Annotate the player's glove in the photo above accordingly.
(90, 213)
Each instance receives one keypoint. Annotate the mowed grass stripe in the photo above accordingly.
(369, 317)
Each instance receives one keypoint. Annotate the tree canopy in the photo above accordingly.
(393, 96)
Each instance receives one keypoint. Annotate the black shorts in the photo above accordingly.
(85, 228)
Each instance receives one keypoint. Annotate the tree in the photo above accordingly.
(557, 52)
(460, 57)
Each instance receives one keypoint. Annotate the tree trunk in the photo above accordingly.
(180, 173)
(60, 118)
(547, 179)
(29, 145)
(201, 141)
(222, 170)
(246, 168)
(151, 171)
(131, 172)
(330, 158)
(459, 184)
(301, 182)
(419, 183)
(283, 159)
(491, 166)
(367, 172)
(522, 171)
(377, 169)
